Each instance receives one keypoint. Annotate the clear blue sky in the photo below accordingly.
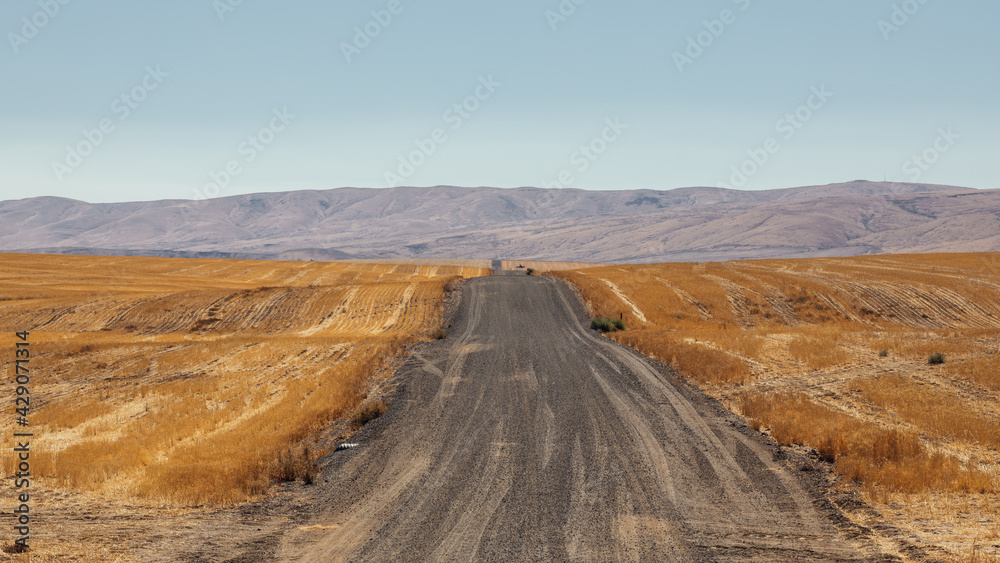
(200, 77)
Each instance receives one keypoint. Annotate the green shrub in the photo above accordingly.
(936, 359)
(601, 324)
(606, 325)
(530, 271)
(883, 354)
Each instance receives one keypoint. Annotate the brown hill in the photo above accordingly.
(540, 224)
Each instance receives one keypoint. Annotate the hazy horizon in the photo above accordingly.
(498, 188)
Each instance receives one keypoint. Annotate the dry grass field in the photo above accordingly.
(176, 382)
(160, 385)
(832, 355)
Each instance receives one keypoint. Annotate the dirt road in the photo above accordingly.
(525, 436)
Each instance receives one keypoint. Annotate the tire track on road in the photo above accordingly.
(525, 436)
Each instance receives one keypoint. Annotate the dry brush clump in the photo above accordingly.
(198, 382)
(938, 412)
(700, 361)
(368, 412)
(983, 369)
(817, 352)
(293, 465)
(862, 451)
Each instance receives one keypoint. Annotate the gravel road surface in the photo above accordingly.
(525, 436)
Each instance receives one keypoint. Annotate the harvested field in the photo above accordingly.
(541, 266)
(181, 382)
(832, 355)
(425, 262)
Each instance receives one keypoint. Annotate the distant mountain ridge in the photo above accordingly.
(530, 223)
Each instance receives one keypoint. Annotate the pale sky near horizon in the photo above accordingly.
(201, 98)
